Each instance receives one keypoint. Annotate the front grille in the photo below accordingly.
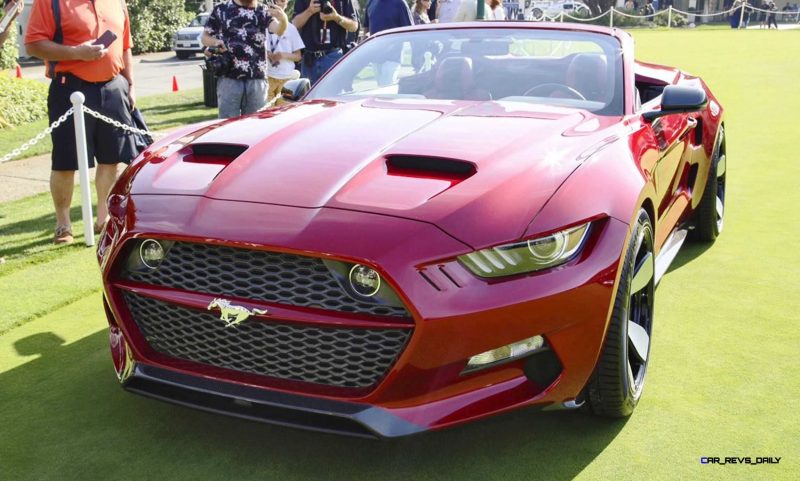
(345, 357)
(253, 274)
(186, 36)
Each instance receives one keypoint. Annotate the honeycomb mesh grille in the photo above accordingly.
(345, 357)
(253, 274)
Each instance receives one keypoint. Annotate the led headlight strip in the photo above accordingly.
(526, 256)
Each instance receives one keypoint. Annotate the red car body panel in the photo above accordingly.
(537, 170)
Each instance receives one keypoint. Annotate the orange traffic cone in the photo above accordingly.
(174, 83)
(19, 72)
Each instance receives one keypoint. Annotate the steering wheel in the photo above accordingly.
(553, 87)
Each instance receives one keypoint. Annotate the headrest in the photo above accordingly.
(454, 75)
(588, 74)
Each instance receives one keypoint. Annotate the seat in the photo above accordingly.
(588, 74)
(454, 81)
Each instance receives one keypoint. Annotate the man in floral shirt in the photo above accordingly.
(238, 29)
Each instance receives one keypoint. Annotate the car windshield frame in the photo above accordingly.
(502, 64)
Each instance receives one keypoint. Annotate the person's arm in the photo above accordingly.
(51, 51)
(127, 72)
(306, 11)
(212, 30)
(13, 13)
(279, 20)
(405, 18)
(295, 56)
(345, 22)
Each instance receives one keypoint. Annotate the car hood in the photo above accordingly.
(478, 171)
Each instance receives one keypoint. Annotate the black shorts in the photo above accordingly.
(106, 143)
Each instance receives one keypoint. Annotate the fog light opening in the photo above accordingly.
(505, 353)
(151, 253)
(364, 280)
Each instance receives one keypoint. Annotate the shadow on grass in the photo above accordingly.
(44, 224)
(689, 252)
(66, 408)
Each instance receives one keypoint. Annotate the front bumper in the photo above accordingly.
(305, 412)
(455, 316)
(187, 46)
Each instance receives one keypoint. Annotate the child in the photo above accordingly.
(282, 53)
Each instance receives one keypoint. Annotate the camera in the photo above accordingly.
(220, 61)
(325, 7)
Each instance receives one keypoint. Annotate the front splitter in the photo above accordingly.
(274, 407)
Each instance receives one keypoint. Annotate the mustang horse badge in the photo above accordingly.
(233, 315)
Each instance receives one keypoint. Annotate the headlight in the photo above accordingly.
(527, 256)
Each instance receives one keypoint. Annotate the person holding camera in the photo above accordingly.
(236, 34)
(324, 32)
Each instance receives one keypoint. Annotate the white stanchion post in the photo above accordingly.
(561, 16)
(77, 100)
(611, 17)
(741, 16)
(669, 18)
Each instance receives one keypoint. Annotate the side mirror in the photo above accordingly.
(677, 99)
(293, 90)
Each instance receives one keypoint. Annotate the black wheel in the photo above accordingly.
(710, 214)
(616, 386)
(183, 55)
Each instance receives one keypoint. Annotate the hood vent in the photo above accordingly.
(436, 167)
(214, 153)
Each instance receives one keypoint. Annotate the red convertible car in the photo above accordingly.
(478, 228)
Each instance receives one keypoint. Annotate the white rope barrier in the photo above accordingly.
(725, 12)
(35, 140)
(77, 99)
(591, 19)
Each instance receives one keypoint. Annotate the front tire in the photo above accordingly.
(618, 380)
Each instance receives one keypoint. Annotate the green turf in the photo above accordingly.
(723, 379)
(163, 111)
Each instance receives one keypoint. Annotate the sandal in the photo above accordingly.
(63, 235)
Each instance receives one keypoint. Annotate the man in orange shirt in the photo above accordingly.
(104, 73)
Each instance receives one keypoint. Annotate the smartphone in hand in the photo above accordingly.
(10, 13)
(106, 39)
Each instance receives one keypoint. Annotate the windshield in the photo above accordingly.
(199, 21)
(572, 69)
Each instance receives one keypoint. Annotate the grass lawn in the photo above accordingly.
(724, 378)
(161, 112)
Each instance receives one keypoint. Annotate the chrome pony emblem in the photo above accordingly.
(233, 315)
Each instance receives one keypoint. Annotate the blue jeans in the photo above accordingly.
(313, 68)
(240, 97)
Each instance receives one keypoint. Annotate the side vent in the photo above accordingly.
(432, 167)
(214, 153)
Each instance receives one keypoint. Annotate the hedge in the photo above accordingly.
(153, 22)
(21, 101)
